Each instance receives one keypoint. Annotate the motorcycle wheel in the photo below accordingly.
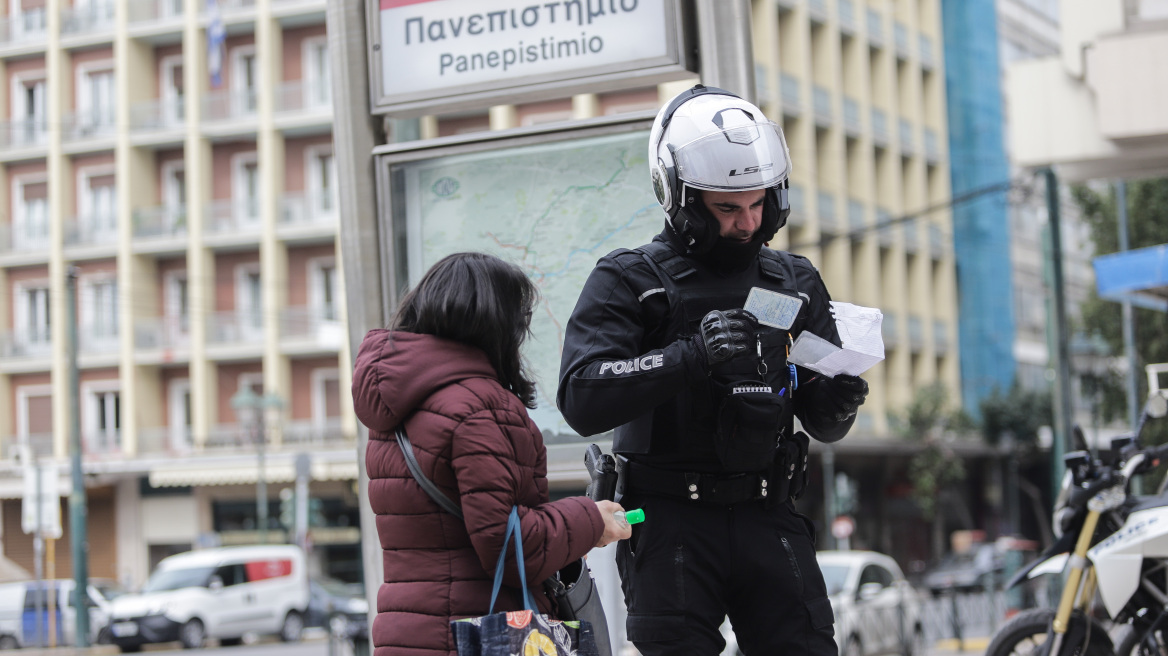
(1131, 645)
(1025, 634)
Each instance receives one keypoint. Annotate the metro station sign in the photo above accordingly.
(430, 56)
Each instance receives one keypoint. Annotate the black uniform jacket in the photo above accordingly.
(617, 363)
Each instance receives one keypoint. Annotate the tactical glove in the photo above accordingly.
(843, 395)
(726, 335)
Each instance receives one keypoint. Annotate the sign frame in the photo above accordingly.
(679, 62)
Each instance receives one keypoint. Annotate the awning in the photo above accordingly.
(1139, 276)
(246, 473)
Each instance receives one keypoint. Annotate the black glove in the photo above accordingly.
(843, 395)
(726, 335)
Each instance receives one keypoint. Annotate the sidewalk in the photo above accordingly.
(973, 646)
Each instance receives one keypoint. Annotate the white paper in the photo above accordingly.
(859, 330)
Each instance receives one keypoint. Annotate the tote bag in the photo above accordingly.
(525, 632)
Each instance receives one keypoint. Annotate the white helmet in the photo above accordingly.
(709, 138)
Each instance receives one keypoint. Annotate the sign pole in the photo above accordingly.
(78, 510)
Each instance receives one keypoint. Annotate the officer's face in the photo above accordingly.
(739, 213)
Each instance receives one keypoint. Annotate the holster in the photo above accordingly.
(790, 474)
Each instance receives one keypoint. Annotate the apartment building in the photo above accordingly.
(198, 212)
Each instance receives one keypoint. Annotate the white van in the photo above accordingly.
(20, 601)
(220, 593)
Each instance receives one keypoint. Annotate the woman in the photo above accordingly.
(450, 372)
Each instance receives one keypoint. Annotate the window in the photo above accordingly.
(31, 220)
(876, 574)
(103, 418)
(34, 417)
(322, 189)
(99, 205)
(176, 308)
(322, 294)
(249, 306)
(326, 398)
(171, 85)
(244, 80)
(33, 327)
(246, 191)
(28, 109)
(96, 100)
(99, 311)
(179, 414)
(317, 89)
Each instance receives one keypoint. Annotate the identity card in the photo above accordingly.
(772, 308)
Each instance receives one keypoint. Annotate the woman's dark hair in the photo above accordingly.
(481, 300)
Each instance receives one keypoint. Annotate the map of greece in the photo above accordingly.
(553, 209)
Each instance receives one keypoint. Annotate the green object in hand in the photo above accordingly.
(632, 516)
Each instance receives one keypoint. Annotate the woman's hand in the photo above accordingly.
(614, 529)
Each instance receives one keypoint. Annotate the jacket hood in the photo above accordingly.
(396, 371)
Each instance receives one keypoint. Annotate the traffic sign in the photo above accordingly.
(842, 527)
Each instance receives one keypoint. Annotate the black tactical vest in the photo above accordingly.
(680, 433)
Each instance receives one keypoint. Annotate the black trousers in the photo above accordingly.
(689, 565)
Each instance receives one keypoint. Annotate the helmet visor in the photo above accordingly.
(741, 158)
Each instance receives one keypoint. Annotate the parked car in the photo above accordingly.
(978, 569)
(876, 610)
(220, 593)
(20, 601)
(339, 607)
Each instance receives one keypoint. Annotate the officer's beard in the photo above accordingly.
(732, 255)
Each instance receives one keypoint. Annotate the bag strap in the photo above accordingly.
(427, 485)
(512, 527)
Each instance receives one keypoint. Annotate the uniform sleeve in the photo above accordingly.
(607, 377)
(809, 405)
(489, 476)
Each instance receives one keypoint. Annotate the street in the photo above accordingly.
(314, 643)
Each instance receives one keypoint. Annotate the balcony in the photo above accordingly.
(852, 117)
(925, 50)
(938, 244)
(236, 328)
(27, 343)
(901, 41)
(940, 338)
(889, 330)
(143, 11)
(875, 28)
(817, 11)
(233, 216)
(98, 338)
(789, 88)
(916, 334)
(160, 223)
(798, 216)
(24, 237)
(230, 105)
(301, 96)
(932, 147)
(24, 28)
(24, 133)
(309, 329)
(102, 445)
(906, 140)
(98, 229)
(827, 216)
(164, 334)
(38, 445)
(879, 128)
(87, 18)
(821, 103)
(308, 216)
(911, 242)
(856, 224)
(165, 440)
(885, 228)
(89, 124)
(847, 17)
(158, 115)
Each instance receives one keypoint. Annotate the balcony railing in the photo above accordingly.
(817, 10)
(164, 440)
(789, 87)
(236, 328)
(28, 25)
(298, 209)
(925, 50)
(230, 216)
(24, 236)
(847, 16)
(152, 10)
(888, 329)
(299, 96)
(27, 343)
(38, 445)
(932, 148)
(299, 434)
(92, 230)
(938, 245)
(875, 28)
(89, 124)
(229, 104)
(827, 217)
(910, 235)
(852, 117)
(856, 218)
(821, 103)
(900, 39)
(879, 127)
(884, 229)
(24, 133)
(916, 333)
(320, 326)
(158, 114)
(98, 338)
(798, 215)
(940, 337)
(87, 18)
(232, 5)
(231, 438)
(102, 444)
(907, 142)
(160, 222)
(161, 333)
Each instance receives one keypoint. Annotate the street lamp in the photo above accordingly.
(250, 407)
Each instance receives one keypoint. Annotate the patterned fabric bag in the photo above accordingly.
(522, 632)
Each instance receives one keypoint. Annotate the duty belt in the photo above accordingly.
(720, 489)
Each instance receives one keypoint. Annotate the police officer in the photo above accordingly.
(701, 397)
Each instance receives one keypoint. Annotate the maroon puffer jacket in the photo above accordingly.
(475, 440)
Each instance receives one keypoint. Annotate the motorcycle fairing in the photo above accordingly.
(1119, 557)
(1062, 545)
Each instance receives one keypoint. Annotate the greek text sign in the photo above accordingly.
(466, 53)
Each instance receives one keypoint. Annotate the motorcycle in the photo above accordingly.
(1109, 541)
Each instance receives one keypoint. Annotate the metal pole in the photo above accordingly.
(1058, 324)
(725, 45)
(261, 484)
(78, 506)
(1129, 328)
(38, 547)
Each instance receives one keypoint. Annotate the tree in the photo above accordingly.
(1019, 411)
(1147, 206)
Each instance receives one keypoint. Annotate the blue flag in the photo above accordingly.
(216, 35)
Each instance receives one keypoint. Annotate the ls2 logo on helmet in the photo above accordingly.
(643, 363)
(752, 169)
